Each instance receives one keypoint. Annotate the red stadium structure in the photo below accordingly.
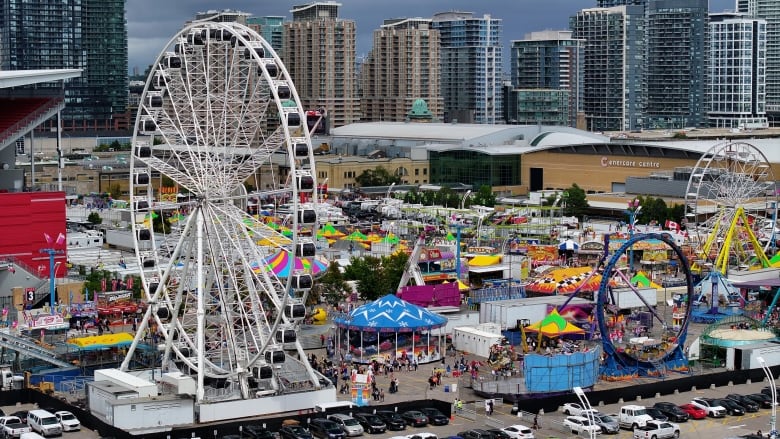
(27, 219)
(32, 219)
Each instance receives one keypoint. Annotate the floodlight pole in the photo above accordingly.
(632, 211)
(52, 273)
(588, 410)
(773, 389)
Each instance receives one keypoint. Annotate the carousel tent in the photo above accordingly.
(554, 326)
(390, 315)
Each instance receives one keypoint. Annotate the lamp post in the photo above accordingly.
(463, 200)
(389, 190)
(588, 410)
(632, 211)
(773, 418)
(52, 275)
(552, 210)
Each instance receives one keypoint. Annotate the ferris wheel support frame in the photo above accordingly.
(722, 261)
(203, 285)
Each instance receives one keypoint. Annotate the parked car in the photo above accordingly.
(657, 430)
(518, 431)
(712, 409)
(68, 420)
(672, 411)
(326, 429)
(732, 407)
(750, 405)
(21, 414)
(656, 414)
(475, 433)
(768, 391)
(435, 417)
(348, 424)
(577, 424)
(255, 431)
(294, 431)
(415, 418)
(761, 399)
(574, 409)
(693, 411)
(393, 420)
(607, 423)
(498, 434)
(371, 423)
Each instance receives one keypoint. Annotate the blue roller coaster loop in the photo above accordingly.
(618, 364)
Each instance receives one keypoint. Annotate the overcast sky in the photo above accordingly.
(152, 23)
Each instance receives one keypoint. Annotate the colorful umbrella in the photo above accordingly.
(282, 264)
(356, 236)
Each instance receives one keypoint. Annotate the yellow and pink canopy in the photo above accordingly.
(283, 263)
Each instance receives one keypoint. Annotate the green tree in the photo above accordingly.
(94, 281)
(331, 287)
(575, 201)
(393, 267)
(115, 191)
(367, 271)
(94, 218)
(378, 176)
(483, 197)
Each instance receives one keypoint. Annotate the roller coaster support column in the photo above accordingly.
(632, 211)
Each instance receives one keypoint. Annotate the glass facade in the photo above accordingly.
(72, 34)
(474, 168)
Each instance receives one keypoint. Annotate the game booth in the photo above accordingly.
(390, 328)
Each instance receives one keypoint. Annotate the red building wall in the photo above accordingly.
(25, 219)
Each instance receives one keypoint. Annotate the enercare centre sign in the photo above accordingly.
(626, 163)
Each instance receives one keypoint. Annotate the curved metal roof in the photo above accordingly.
(18, 78)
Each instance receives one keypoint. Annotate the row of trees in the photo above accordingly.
(375, 277)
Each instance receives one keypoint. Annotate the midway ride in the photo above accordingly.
(221, 112)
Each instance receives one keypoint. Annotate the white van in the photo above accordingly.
(31, 435)
(44, 422)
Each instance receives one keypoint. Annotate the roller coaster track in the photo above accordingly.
(30, 349)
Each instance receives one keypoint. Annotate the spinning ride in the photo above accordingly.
(655, 342)
(222, 111)
(731, 194)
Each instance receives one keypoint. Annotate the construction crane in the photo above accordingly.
(412, 269)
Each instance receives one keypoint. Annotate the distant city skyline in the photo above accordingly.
(152, 24)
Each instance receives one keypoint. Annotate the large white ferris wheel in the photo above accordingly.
(222, 113)
(731, 206)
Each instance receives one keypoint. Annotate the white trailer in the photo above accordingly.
(508, 313)
(474, 341)
(626, 298)
(746, 356)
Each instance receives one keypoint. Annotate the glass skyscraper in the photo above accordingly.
(768, 10)
(471, 67)
(72, 34)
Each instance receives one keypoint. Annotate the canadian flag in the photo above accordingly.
(671, 225)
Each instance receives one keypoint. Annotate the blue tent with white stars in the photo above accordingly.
(390, 314)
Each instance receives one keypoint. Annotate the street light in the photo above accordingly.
(632, 211)
(390, 189)
(773, 418)
(463, 200)
(552, 210)
(588, 410)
